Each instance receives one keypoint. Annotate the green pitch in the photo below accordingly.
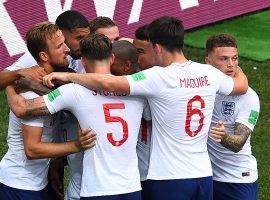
(252, 32)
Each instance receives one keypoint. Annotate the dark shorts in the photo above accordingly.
(235, 191)
(9, 193)
(145, 189)
(180, 189)
(127, 196)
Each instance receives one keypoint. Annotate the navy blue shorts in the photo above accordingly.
(9, 193)
(181, 189)
(145, 189)
(127, 196)
(235, 191)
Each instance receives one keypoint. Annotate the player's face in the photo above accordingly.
(111, 32)
(225, 59)
(57, 50)
(146, 54)
(73, 41)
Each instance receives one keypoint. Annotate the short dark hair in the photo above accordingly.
(141, 33)
(96, 47)
(124, 50)
(101, 22)
(36, 38)
(71, 20)
(220, 40)
(167, 31)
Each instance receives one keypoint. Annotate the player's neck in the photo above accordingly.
(101, 67)
(177, 57)
(47, 67)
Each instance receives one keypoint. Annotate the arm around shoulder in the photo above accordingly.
(240, 82)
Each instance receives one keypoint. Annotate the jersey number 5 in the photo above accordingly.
(194, 111)
(109, 119)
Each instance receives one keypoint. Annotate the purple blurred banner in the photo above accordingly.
(16, 17)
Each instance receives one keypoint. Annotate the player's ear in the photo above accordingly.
(159, 48)
(84, 62)
(43, 56)
(207, 60)
(112, 59)
(127, 66)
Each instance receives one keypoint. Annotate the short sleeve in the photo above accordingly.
(249, 109)
(225, 83)
(26, 60)
(62, 98)
(146, 83)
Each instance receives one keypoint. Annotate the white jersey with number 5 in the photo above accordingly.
(181, 99)
(111, 167)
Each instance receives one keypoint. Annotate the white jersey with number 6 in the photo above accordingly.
(181, 99)
(111, 167)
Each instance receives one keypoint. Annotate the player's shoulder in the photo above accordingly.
(250, 95)
(26, 60)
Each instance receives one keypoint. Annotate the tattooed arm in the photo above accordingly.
(236, 141)
(25, 108)
(29, 84)
(232, 141)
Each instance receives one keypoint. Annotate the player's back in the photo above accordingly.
(181, 98)
(111, 167)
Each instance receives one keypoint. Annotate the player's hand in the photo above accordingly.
(55, 77)
(218, 131)
(35, 73)
(86, 139)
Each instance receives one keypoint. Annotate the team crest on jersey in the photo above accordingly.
(227, 108)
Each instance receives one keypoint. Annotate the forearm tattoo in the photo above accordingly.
(26, 83)
(33, 108)
(236, 140)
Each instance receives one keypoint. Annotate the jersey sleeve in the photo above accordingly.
(225, 83)
(146, 83)
(249, 109)
(37, 121)
(62, 98)
(26, 60)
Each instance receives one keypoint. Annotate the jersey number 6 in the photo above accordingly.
(109, 119)
(194, 111)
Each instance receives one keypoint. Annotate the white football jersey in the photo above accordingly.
(27, 60)
(181, 99)
(228, 166)
(15, 169)
(144, 142)
(111, 167)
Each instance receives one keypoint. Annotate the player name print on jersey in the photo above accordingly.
(106, 93)
(194, 82)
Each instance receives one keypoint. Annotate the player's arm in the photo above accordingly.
(240, 82)
(8, 77)
(36, 149)
(232, 141)
(25, 108)
(91, 80)
(29, 84)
